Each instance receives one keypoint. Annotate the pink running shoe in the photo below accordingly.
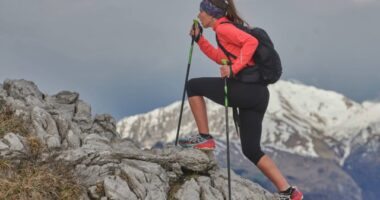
(293, 194)
(198, 142)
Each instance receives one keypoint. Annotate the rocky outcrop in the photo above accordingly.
(107, 166)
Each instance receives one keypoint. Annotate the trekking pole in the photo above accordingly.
(225, 62)
(195, 23)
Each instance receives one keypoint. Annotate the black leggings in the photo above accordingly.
(252, 101)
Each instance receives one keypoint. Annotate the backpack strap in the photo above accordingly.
(234, 109)
(228, 54)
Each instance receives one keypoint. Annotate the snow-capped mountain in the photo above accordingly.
(301, 120)
(322, 141)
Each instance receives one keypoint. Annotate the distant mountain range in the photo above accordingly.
(325, 143)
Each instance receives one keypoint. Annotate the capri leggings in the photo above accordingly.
(252, 101)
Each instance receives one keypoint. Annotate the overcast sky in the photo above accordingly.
(130, 56)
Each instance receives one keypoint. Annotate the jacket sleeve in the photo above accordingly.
(215, 54)
(247, 42)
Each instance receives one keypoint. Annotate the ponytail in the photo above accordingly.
(231, 12)
(233, 15)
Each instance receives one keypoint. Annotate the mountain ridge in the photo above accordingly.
(317, 114)
(309, 126)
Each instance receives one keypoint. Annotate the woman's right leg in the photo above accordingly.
(197, 88)
(198, 108)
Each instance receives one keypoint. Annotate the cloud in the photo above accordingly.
(364, 1)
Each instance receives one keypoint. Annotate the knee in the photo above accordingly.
(192, 87)
(253, 154)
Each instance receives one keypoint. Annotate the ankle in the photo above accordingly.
(206, 135)
(287, 191)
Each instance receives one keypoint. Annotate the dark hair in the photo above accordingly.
(231, 12)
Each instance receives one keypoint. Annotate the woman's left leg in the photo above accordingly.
(250, 136)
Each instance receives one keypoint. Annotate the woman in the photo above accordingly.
(251, 99)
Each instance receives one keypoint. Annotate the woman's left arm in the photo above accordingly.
(247, 42)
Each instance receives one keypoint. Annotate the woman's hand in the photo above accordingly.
(196, 32)
(225, 71)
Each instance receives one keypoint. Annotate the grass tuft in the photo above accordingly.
(28, 180)
(10, 123)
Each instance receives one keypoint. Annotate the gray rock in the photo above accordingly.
(3, 146)
(103, 160)
(65, 111)
(77, 130)
(93, 192)
(23, 90)
(208, 192)
(98, 142)
(66, 97)
(83, 110)
(93, 174)
(73, 139)
(45, 127)
(63, 125)
(83, 116)
(147, 180)
(14, 142)
(189, 191)
(116, 188)
(105, 125)
(194, 160)
(95, 138)
(241, 188)
(75, 156)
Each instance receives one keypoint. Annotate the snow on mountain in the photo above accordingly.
(300, 119)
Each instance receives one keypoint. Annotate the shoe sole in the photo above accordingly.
(205, 149)
(193, 147)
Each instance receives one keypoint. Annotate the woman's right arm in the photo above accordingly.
(215, 54)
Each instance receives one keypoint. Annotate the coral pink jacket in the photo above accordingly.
(235, 41)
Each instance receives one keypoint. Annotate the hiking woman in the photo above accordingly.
(251, 99)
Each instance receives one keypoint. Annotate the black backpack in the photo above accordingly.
(268, 68)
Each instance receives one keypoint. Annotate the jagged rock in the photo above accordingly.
(24, 90)
(194, 160)
(189, 191)
(83, 116)
(45, 127)
(3, 146)
(82, 111)
(98, 142)
(93, 192)
(107, 165)
(66, 97)
(14, 142)
(208, 192)
(241, 188)
(63, 125)
(105, 125)
(73, 139)
(116, 188)
(93, 174)
(147, 180)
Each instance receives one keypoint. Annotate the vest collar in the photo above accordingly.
(219, 21)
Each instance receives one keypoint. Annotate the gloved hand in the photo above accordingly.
(196, 32)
